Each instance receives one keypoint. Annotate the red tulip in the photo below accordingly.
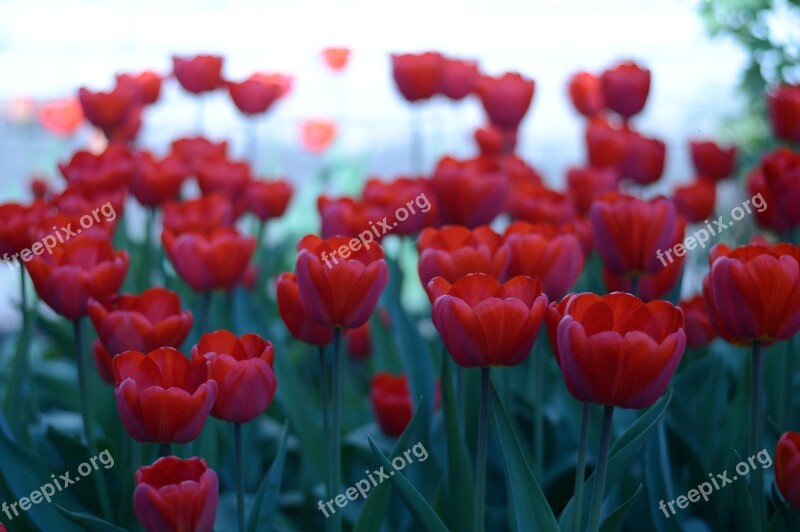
(156, 182)
(625, 88)
(103, 361)
(203, 214)
(83, 267)
(536, 203)
(267, 199)
(145, 322)
(752, 292)
(40, 187)
(344, 291)
(506, 99)
(194, 149)
(348, 217)
(359, 342)
(787, 467)
(223, 176)
(176, 495)
(109, 171)
(784, 111)
(695, 201)
(15, 234)
(541, 252)
(163, 397)
(391, 402)
(494, 142)
(458, 78)
(712, 161)
(587, 184)
(256, 94)
(586, 94)
(111, 110)
(417, 76)
(615, 349)
(242, 368)
(466, 197)
(606, 146)
(209, 260)
(413, 195)
(295, 315)
(452, 252)
(149, 84)
(202, 73)
(61, 117)
(644, 161)
(84, 203)
(336, 58)
(317, 135)
(776, 184)
(630, 233)
(648, 286)
(699, 329)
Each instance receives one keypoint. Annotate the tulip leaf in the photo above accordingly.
(614, 521)
(88, 521)
(424, 515)
(531, 509)
(264, 508)
(374, 510)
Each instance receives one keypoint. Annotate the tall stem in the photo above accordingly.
(88, 415)
(538, 413)
(145, 269)
(336, 437)
(480, 458)
(237, 436)
(326, 429)
(756, 430)
(580, 471)
(416, 139)
(600, 474)
(205, 307)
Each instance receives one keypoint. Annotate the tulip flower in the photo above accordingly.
(391, 402)
(14, 231)
(223, 176)
(695, 201)
(203, 214)
(109, 171)
(606, 146)
(586, 93)
(256, 94)
(149, 84)
(584, 185)
(267, 199)
(625, 88)
(417, 76)
(176, 495)
(194, 149)
(455, 251)
(776, 183)
(316, 135)
(162, 396)
(647, 287)
(359, 342)
(712, 161)
(466, 197)
(103, 361)
(493, 141)
(156, 182)
(61, 117)
(644, 159)
(111, 110)
(458, 78)
(787, 468)
(202, 73)
(414, 195)
(295, 316)
(506, 99)
(697, 323)
(535, 203)
(336, 58)
(347, 216)
(784, 111)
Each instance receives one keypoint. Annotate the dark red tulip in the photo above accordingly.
(458, 78)
(198, 74)
(336, 58)
(223, 176)
(699, 329)
(452, 252)
(103, 361)
(359, 342)
(536, 203)
(415, 196)
(541, 252)
(712, 161)
(506, 99)
(175, 495)
(142, 322)
(391, 402)
(149, 83)
(203, 214)
(644, 160)
(340, 280)
(752, 292)
(194, 149)
(83, 267)
(495, 142)
(40, 187)
(267, 199)
(256, 94)
(349, 217)
(787, 468)
(584, 185)
(296, 317)
(157, 181)
(615, 349)
(629, 233)
(776, 186)
(163, 397)
(606, 146)
(15, 233)
(242, 368)
(417, 76)
(784, 111)
(485, 323)
(467, 197)
(113, 109)
(209, 260)
(103, 207)
(625, 88)
(695, 201)
(111, 170)
(586, 94)
(648, 286)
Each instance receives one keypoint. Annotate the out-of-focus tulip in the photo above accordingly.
(625, 88)
(348, 217)
(336, 58)
(787, 467)
(317, 135)
(111, 110)
(15, 233)
(466, 197)
(149, 83)
(40, 187)
(203, 214)
(587, 184)
(711, 161)
(458, 78)
(415, 196)
(256, 94)
(776, 186)
(695, 201)
(606, 146)
(156, 182)
(162, 396)
(198, 74)
(103, 361)
(267, 199)
(242, 368)
(61, 117)
(752, 292)
(111, 170)
(417, 76)
(391, 402)
(359, 342)
(644, 161)
(535, 203)
(494, 142)
(223, 176)
(194, 149)
(452, 252)
(295, 315)
(784, 111)
(586, 94)
(176, 495)
(647, 286)
(697, 324)
(506, 99)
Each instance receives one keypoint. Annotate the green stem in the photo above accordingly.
(336, 437)
(88, 415)
(756, 430)
(538, 413)
(166, 449)
(326, 429)
(237, 432)
(580, 471)
(205, 307)
(788, 381)
(663, 456)
(144, 268)
(600, 474)
(480, 458)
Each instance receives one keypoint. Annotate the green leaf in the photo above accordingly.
(460, 487)
(615, 519)
(423, 514)
(531, 509)
(89, 522)
(262, 513)
(742, 502)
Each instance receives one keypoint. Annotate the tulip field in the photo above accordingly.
(468, 348)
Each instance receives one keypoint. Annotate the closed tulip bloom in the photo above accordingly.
(339, 283)
(586, 94)
(416, 196)
(784, 111)
(485, 323)
(256, 94)
(83, 267)
(587, 184)
(391, 402)
(752, 292)
(175, 495)
(535, 203)
(697, 324)
(712, 161)
(695, 201)
(787, 467)
(616, 350)
(268, 199)
(198, 74)
(141, 322)
(194, 149)
(317, 135)
(296, 317)
(242, 368)
(336, 58)
(223, 176)
(417, 76)
(776, 183)
(541, 252)
(205, 213)
(17, 218)
(606, 145)
(625, 88)
(110, 110)
(149, 83)
(644, 160)
(466, 196)
(506, 99)
(157, 181)
(162, 396)
(209, 260)
(495, 142)
(628, 232)
(348, 216)
(458, 78)
(454, 251)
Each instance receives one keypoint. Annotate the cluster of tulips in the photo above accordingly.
(500, 256)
